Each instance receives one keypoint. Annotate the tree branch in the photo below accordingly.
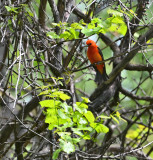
(54, 10)
(139, 67)
(42, 8)
(133, 96)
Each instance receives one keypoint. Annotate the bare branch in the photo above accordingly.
(54, 10)
(42, 8)
(133, 96)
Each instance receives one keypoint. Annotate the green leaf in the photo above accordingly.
(12, 9)
(103, 117)
(82, 22)
(85, 128)
(81, 108)
(51, 119)
(87, 31)
(65, 124)
(86, 137)
(30, 13)
(113, 27)
(119, 116)
(63, 135)
(8, 8)
(25, 6)
(76, 116)
(79, 119)
(45, 92)
(122, 29)
(52, 35)
(96, 20)
(91, 25)
(82, 105)
(59, 94)
(114, 118)
(76, 26)
(136, 34)
(74, 33)
(82, 121)
(100, 128)
(51, 111)
(85, 100)
(56, 153)
(61, 83)
(118, 20)
(76, 140)
(67, 147)
(103, 30)
(64, 96)
(114, 12)
(90, 117)
(77, 131)
(63, 121)
(66, 107)
(50, 103)
(62, 114)
(66, 35)
(55, 24)
(51, 127)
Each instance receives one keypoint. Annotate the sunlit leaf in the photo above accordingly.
(53, 35)
(67, 147)
(100, 128)
(114, 12)
(76, 26)
(66, 35)
(62, 114)
(66, 107)
(91, 25)
(103, 117)
(96, 20)
(56, 153)
(86, 100)
(82, 120)
(50, 103)
(45, 92)
(82, 105)
(115, 119)
(51, 119)
(64, 96)
(90, 117)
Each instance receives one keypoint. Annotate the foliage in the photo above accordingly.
(70, 123)
(96, 26)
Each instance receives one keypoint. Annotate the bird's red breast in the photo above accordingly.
(94, 56)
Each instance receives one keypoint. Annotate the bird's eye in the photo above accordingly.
(89, 44)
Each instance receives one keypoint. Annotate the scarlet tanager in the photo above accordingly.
(94, 55)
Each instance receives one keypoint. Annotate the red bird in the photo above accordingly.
(94, 55)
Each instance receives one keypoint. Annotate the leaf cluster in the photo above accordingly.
(112, 24)
(71, 123)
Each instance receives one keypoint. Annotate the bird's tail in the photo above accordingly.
(101, 77)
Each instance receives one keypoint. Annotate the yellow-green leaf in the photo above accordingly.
(90, 117)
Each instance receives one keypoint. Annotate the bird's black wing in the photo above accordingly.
(101, 77)
(104, 70)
